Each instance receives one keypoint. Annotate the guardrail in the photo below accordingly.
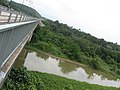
(13, 37)
(13, 17)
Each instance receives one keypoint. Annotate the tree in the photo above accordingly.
(4, 2)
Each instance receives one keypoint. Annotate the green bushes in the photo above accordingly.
(4, 2)
(21, 79)
(98, 63)
(25, 9)
(64, 41)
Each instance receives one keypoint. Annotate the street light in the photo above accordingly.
(22, 1)
(9, 5)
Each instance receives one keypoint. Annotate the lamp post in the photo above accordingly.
(9, 5)
(22, 1)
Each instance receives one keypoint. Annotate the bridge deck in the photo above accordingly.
(15, 30)
(6, 64)
(11, 36)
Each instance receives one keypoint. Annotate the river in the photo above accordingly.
(41, 62)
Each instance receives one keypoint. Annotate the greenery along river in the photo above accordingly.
(38, 61)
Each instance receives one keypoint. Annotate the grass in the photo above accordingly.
(54, 82)
(22, 79)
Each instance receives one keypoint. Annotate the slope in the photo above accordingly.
(67, 42)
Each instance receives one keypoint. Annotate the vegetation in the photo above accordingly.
(21, 8)
(25, 9)
(21, 79)
(67, 42)
(4, 2)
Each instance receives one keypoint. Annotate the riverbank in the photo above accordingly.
(54, 56)
(110, 75)
(22, 79)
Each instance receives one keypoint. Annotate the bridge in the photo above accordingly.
(16, 30)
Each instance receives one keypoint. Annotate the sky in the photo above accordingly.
(100, 18)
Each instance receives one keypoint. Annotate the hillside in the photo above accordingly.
(21, 8)
(25, 9)
(64, 41)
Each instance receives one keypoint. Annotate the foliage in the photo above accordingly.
(64, 41)
(4, 2)
(21, 79)
(25, 9)
(21, 8)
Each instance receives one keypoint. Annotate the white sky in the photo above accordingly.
(100, 18)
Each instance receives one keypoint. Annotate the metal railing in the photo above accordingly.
(12, 40)
(13, 17)
(11, 37)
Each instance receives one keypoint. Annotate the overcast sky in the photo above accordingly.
(100, 18)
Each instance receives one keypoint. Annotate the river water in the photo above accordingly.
(38, 61)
